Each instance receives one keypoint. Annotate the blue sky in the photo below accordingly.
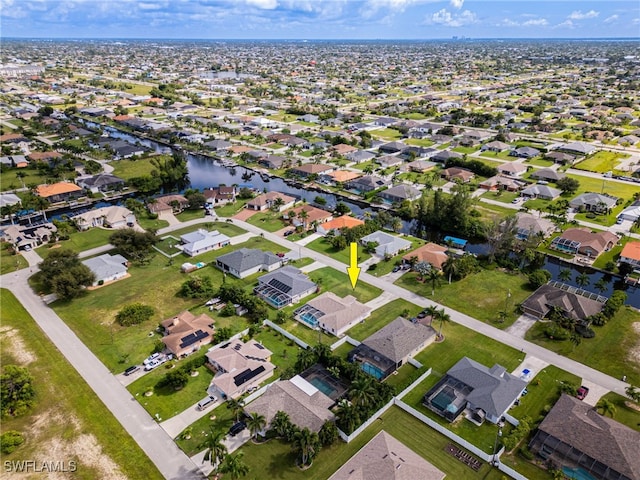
(319, 19)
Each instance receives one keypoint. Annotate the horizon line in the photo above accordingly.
(302, 39)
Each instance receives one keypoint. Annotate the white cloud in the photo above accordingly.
(578, 15)
(537, 22)
(507, 22)
(444, 17)
(263, 4)
(611, 19)
(457, 4)
(566, 24)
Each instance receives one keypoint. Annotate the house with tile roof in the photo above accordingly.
(306, 406)
(386, 458)
(267, 200)
(246, 261)
(220, 195)
(201, 241)
(387, 244)
(59, 192)
(107, 268)
(339, 176)
(168, 203)
(314, 216)
(582, 241)
(529, 225)
(238, 366)
(111, 217)
(574, 303)
(574, 434)
(103, 182)
(332, 314)
(367, 183)
(284, 286)
(512, 169)
(185, 333)
(486, 393)
(457, 174)
(308, 169)
(431, 253)
(631, 254)
(389, 348)
(400, 193)
(344, 221)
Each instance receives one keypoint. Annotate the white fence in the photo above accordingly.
(414, 384)
(358, 431)
(288, 335)
(343, 340)
(414, 362)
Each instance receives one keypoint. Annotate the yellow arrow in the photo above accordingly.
(353, 269)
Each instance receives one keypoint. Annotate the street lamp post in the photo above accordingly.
(496, 461)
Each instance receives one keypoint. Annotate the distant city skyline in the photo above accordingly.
(319, 19)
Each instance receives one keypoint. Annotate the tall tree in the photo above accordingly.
(442, 317)
(583, 279)
(564, 275)
(64, 274)
(281, 423)
(362, 392)
(256, 424)
(306, 444)
(215, 449)
(234, 466)
(433, 276)
(450, 267)
(606, 407)
(236, 407)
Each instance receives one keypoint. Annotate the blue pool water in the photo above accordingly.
(372, 370)
(309, 319)
(577, 473)
(323, 386)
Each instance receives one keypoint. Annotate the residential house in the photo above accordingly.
(46, 157)
(431, 253)
(387, 244)
(561, 157)
(593, 202)
(24, 237)
(631, 254)
(7, 199)
(17, 161)
(311, 169)
(219, 146)
(246, 261)
(220, 195)
(168, 203)
(573, 434)
(385, 457)
(343, 149)
(524, 152)
(284, 286)
(109, 217)
(577, 148)
(304, 404)
(338, 176)
(400, 193)
(383, 352)
(332, 314)
(628, 139)
(457, 174)
(103, 182)
(185, 333)
(574, 303)
(269, 200)
(202, 241)
(337, 224)
(512, 169)
(495, 146)
(274, 162)
(392, 147)
(387, 161)
(487, 393)
(107, 268)
(421, 166)
(445, 155)
(583, 241)
(238, 366)
(359, 156)
(548, 175)
(541, 191)
(499, 182)
(367, 183)
(474, 137)
(59, 192)
(630, 213)
(311, 217)
(529, 225)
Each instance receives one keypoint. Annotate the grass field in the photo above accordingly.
(381, 317)
(617, 189)
(151, 223)
(128, 169)
(419, 142)
(624, 414)
(68, 417)
(481, 295)
(11, 181)
(601, 162)
(504, 155)
(337, 282)
(80, 241)
(387, 134)
(9, 262)
(268, 221)
(617, 338)
(230, 209)
(187, 215)
(501, 196)
(321, 245)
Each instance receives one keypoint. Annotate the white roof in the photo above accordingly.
(303, 385)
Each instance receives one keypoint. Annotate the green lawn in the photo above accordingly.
(268, 221)
(230, 209)
(274, 459)
(10, 262)
(501, 196)
(605, 220)
(10, 180)
(168, 245)
(187, 215)
(540, 162)
(611, 255)
(80, 241)
(617, 189)
(481, 295)
(337, 282)
(229, 229)
(467, 150)
(200, 428)
(381, 317)
(489, 211)
(128, 169)
(601, 162)
(504, 155)
(617, 338)
(151, 223)
(624, 414)
(419, 142)
(283, 353)
(167, 402)
(67, 410)
(387, 134)
(321, 245)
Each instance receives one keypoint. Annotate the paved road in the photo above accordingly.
(163, 452)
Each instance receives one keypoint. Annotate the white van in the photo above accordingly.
(206, 402)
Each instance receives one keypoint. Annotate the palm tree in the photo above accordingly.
(306, 358)
(576, 339)
(236, 407)
(396, 225)
(451, 267)
(443, 317)
(256, 423)
(281, 423)
(306, 443)
(432, 312)
(363, 392)
(348, 416)
(633, 393)
(303, 215)
(433, 276)
(215, 449)
(234, 466)
(606, 407)
(583, 279)
(601, 285)
(564, 275)
(277, 204)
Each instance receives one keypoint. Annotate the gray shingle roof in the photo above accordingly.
(246, 258)
(494, 390)
(106, 265)
(292, 278)
(399, 338)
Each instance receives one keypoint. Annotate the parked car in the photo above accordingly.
(131, 370)
(289, 232)
(582, 392)
(151, 358)
(397, 268)
(280, 254)
(236, 428)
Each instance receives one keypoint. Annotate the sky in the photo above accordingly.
(319, 19)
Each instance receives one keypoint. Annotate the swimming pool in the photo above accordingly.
(323, 386)
(442, 401)
(577, 473)
(309, 319)
(372, 370)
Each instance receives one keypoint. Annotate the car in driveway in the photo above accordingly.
(156, 362)
(151, 358)
(236, 428)
(397, 268)
(289, 232)
(131, 370)
(582, 392)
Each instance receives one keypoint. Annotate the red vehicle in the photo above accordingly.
(582, 392)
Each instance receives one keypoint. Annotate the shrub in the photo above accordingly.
(585, 332)
(539, 277)
(176, 379)
(590, 215)
(134, 314)
(17, 394)
(10, 440)
(228, 310)
(526, 453)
